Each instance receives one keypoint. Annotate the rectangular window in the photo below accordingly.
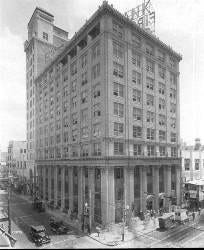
(97, 130)
(162, 104)
(150, 117)
(45, 36)
(118, 129)
(173, 108)
(117, 29)
(187, 164)
(73, 68)
(74, 135)
(97, 110)
(149, 50)
(74, 85)
(172, 94)
(118, 89)
(84, 96)
(162, 135)
(74, 118)
(150, 150)
(150, 134)
(95, 51)
(173, 152)
(173, 137)
(118, 50)
(137, 96)
(74, 102)
(137, 132)
(162, 120)
(136, 58)
(162, 151)
(137, 149)
(162, 88)
(161, 71)
(137, 114)
(118, 109)
(150, 100)
(84, 60)
(95, 73)
(96, 91)
(66, 136)
(172, 62)
(97, 149)
(118, 148)
(173, 123)
(150, 66)
(84, 132)
(197, 164)
(173, 80)
(161, 56)
(136, 77)
(150, 83)
(118, 70)
(136, 40)
(84, 78)
(84, 116)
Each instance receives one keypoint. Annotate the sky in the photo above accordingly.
(179, 23)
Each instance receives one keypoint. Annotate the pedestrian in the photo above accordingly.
(193, 215)
(151, 214)
(199, 210)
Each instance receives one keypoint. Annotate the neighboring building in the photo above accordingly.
(108, 121)
(3, 161)
(44, 39)
(16, 160)
(192, 161)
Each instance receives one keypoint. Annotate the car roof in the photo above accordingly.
(38, 228)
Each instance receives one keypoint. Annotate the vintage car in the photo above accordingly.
(166, 221)
(181, 216)
(38, 235)
(58, 227)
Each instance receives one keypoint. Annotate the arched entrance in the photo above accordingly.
(149, 202)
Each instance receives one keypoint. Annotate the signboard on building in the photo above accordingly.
(193, 194)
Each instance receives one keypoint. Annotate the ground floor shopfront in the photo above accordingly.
(107, 187)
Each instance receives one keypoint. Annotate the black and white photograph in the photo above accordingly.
(101, 124)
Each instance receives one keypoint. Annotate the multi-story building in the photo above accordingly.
(44, 40)
(16, 160)
(108, 121)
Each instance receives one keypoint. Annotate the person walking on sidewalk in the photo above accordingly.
(193, 215)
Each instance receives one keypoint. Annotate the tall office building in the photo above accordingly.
(44, 40)
(107, 121)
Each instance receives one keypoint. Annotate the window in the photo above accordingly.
(84, 132)
(173, 94)
(118, 129)
(118, 50)
(118, 148)
(84, 116)
(118, 70)
(150, 66)
(162, 120)
(95, 73)
(74, 85)
(173, 137)
(97, 110)
(45, 36)
(66, 152)
(136, 59)
(137, 149)
(66, 136)
(84, 60)
(150, 134)
(137, 132)
(136, 40)
(58, 153)
(161, 71)
(162, 151)
(162, 135)
(161, 56)
(58, 138)
(173, 80)
(95, 51)
(173, 152)
(74, 118)
(117, 29)
(73, 68)
(66, 122)
(172, 62)
(137, 114)
(118, 109)
(136, 77)
(74, 102)
(162, 104)
(118, 89)
(187, 164)
(97, 149)
(149, 50)
(137, 96)
(84, 78)
(173, 108)
(173, 122)
(197, 164)
(74, 151)
(150, 83)
(150, 150)
(97, 129)
(150, 117)
(74, 135)
(162, 88)
(150, 100)
(84, 96)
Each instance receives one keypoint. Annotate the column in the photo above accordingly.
(104, 195)
(80, 192)
(129, 186)
(44, 184)
(91, 185)
(55, 186)
(49, 183)
(191, 165)
(70, 183)
(143, 187)
(167, 184)
(62, 187)
(156, 186)
(178, 185)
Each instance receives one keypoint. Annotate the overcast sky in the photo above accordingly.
(179, 23)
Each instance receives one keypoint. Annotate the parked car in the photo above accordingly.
(166, 221)
(38, 235)
(181, 216)
(58, 227)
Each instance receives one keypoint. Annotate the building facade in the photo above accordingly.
(16, 160)
(107, 121)
(44, 40)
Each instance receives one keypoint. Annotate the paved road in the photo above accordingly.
(23, 215)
